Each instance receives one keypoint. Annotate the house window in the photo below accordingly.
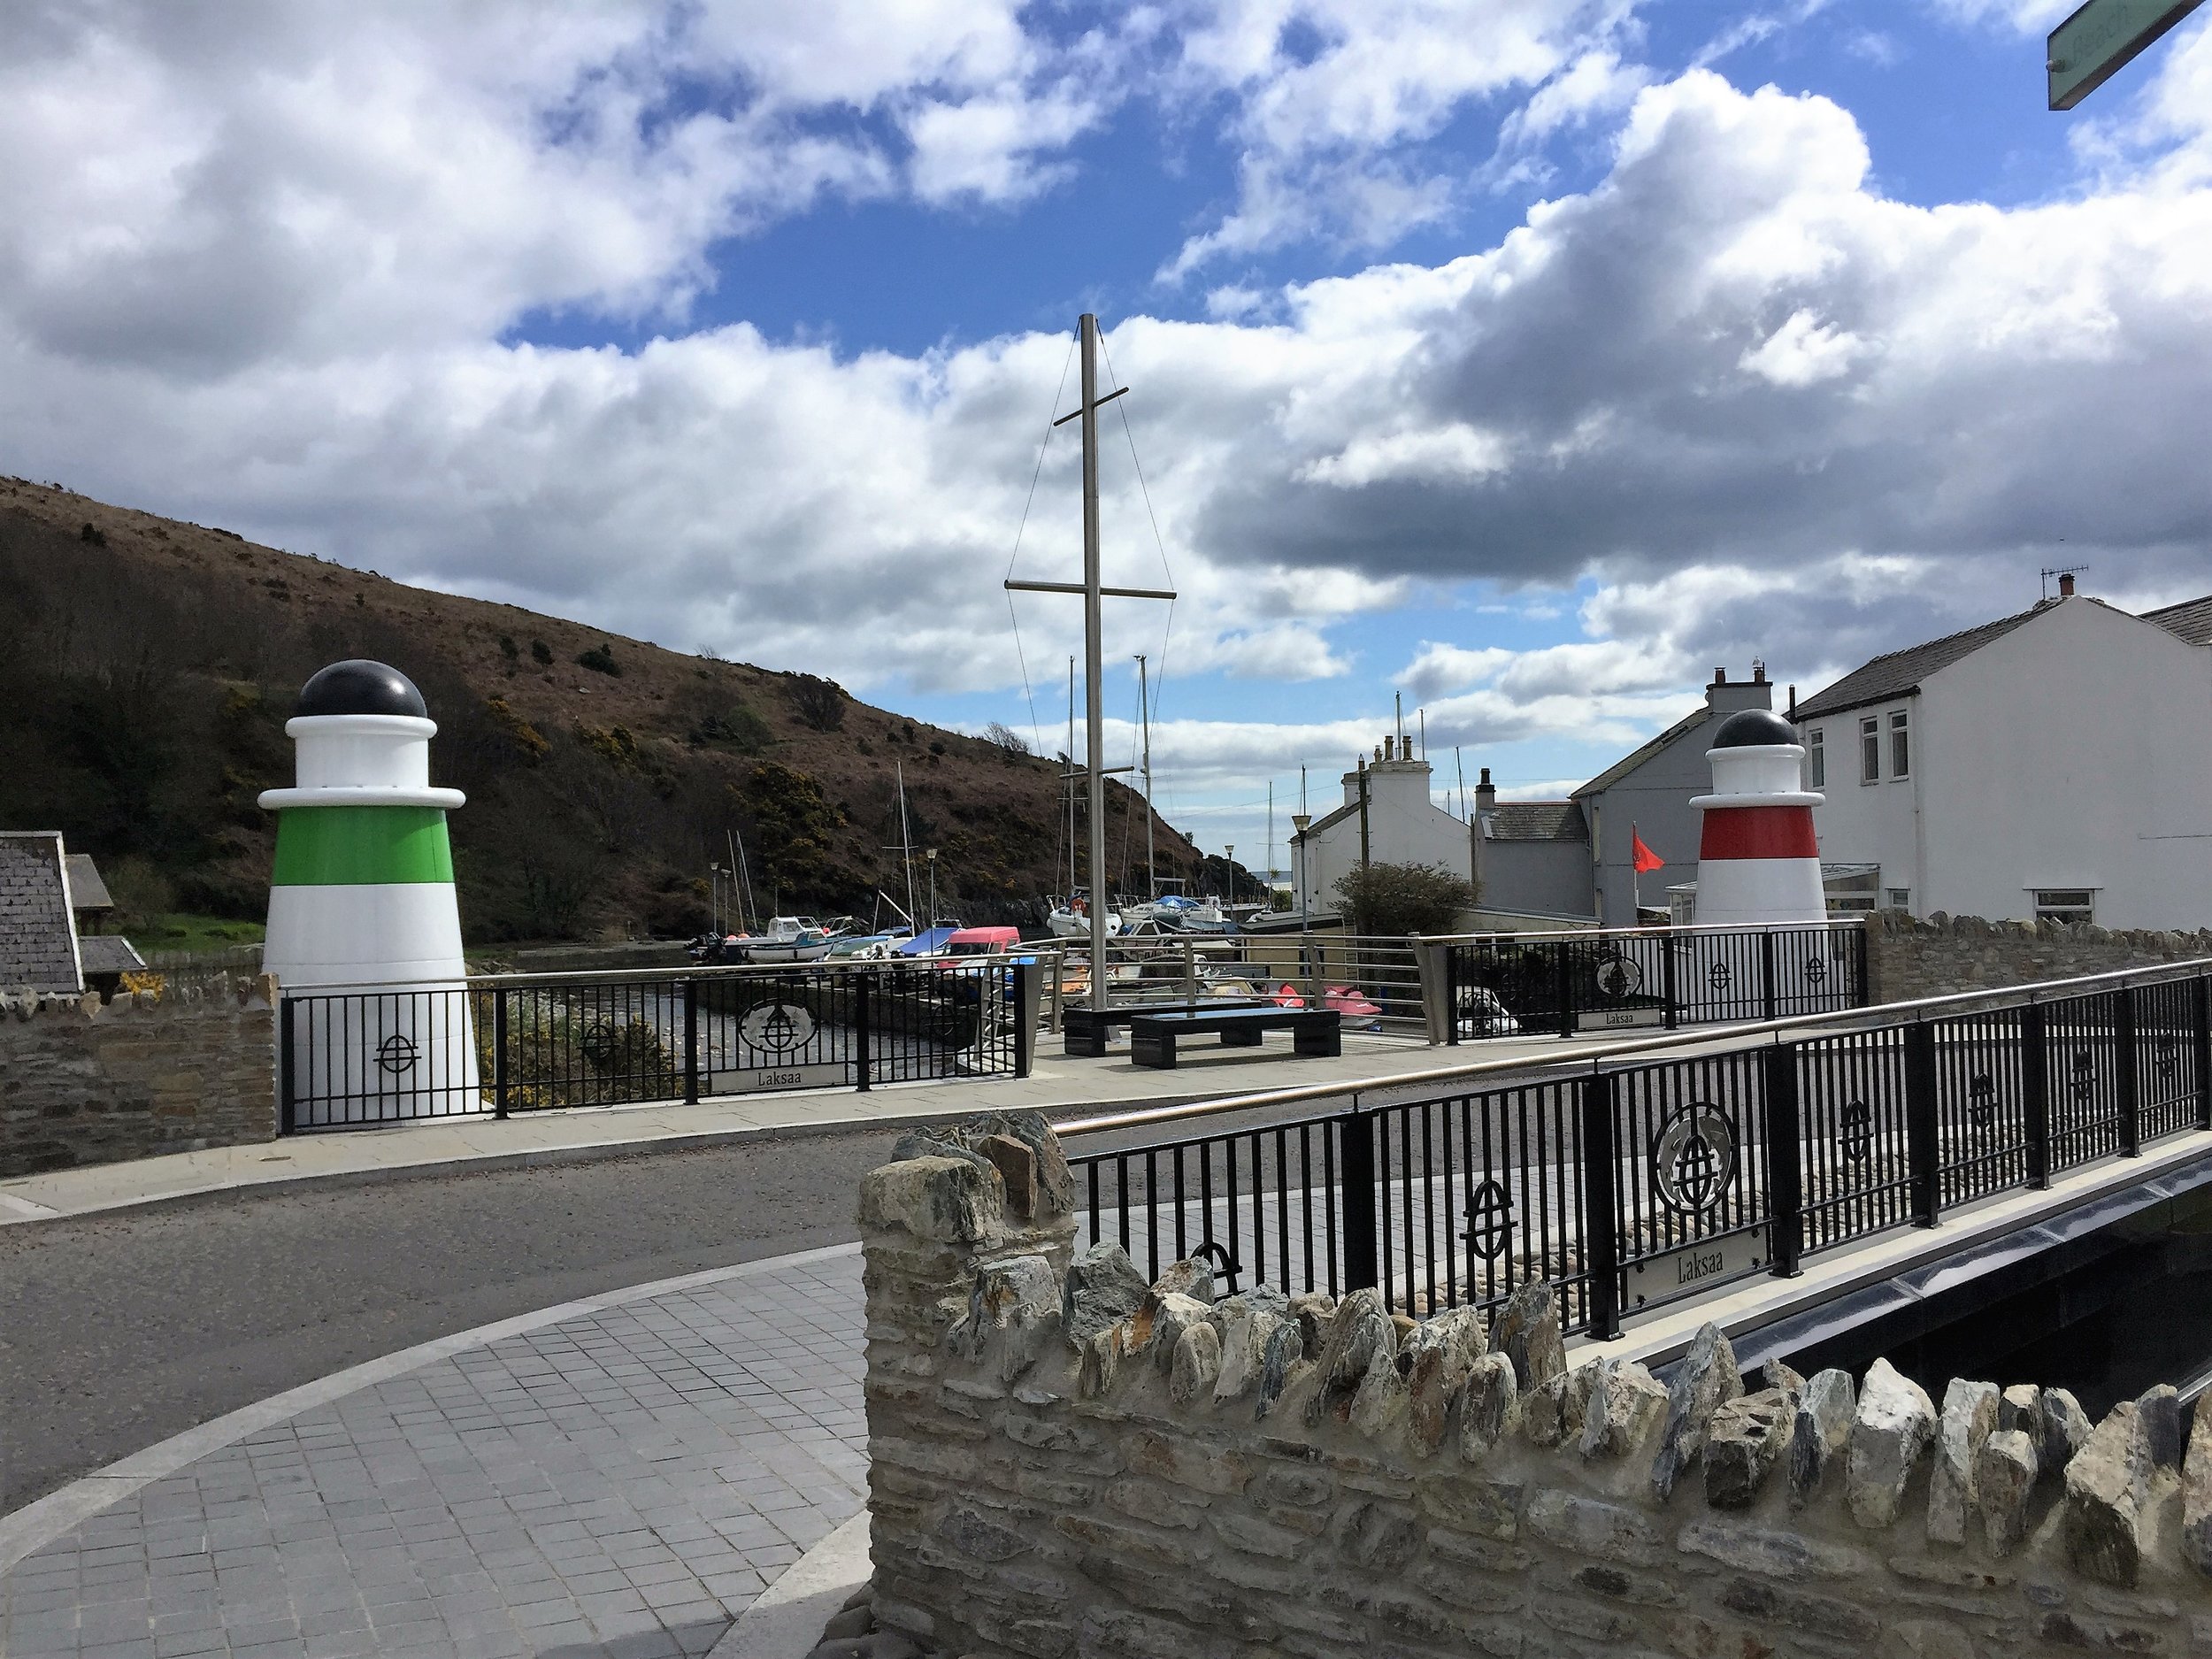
(1869, 750)
(1815, 760)
(2069, 905)
(1900, 746)
(1901, 898)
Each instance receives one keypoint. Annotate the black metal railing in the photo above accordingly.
(1637, 1182)
(1660, 976)
(528, 1043)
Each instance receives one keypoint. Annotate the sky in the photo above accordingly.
(1519, 361)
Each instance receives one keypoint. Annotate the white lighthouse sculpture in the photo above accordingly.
(364, 931)
(1758, 864)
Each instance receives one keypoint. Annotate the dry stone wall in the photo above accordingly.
(81, 1082)
(1067, 1461)
(1909, 959)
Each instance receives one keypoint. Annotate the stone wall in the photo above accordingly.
(191, 1065)
(1066, 1460)
(1909, 959)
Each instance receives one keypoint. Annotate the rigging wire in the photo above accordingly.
(1036, 731)
(1167, 628)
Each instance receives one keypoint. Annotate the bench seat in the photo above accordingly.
(1316, 1031)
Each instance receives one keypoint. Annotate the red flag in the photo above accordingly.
(1641, 856)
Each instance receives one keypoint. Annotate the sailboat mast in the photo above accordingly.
(906, 844)
(1067, 779)
(1144, 720)
(1093, 663)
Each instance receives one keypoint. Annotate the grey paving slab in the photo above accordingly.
(622, 1483)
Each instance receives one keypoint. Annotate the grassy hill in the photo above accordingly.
(147, 667)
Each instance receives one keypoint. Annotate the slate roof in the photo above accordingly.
(87, 891)
(1897, 672)
(38, 936)
(1535, 821)
(109, 953)
(2191, 619)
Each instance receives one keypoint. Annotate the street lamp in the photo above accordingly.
(932, 856)
(714, 899)
(1229, 856)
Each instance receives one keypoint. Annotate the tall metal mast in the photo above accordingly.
(1144, 722)
(1093, 591)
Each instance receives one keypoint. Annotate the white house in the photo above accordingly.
(2055, 762)
(1388, 817)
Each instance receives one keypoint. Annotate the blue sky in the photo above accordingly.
(1524, 358)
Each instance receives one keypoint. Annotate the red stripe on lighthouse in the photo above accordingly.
(1758, 832)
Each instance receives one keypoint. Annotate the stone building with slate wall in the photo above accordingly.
(1067, 1462)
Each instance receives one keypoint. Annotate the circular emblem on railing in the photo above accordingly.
(1213, 1250)
(1855, 1134)
(396, 1055)
(1981, 1100)
(778, 1027)
(1815, 970)
(599, 1044)
(1489, 1221)
(1619, 978)
(2085, 1076)
(1693, 1159)
(1720, 976)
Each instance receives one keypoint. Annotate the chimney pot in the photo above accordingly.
(2066, 584)
(1758, 672)
(1720, 676)
(1485, 777)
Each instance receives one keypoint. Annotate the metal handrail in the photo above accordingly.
(693, 970)
(2026, 996)
(1653, 930)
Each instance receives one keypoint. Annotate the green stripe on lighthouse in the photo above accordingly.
(358, 846)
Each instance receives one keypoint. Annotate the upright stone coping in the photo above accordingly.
(1065, 1462)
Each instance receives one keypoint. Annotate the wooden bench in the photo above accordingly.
(1086, 1030)
(1314, 1031)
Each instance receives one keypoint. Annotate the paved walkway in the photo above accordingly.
(1057, 1086)
(619, 1477)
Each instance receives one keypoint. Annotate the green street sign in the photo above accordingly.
(2094, 44)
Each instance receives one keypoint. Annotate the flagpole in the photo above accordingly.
(1635, 874)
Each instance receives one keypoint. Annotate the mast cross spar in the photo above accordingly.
(1093, 671)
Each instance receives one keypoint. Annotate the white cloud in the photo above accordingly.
(1804, 351)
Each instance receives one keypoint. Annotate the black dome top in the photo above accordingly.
(357, 687)
(1750, 728)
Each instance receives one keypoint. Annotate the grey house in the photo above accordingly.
(1533, 855)
(1651, 789)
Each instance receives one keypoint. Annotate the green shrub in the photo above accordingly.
(599, 660)
(556, 1056)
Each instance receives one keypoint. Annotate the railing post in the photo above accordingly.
(863, 1048)
(1601, 1208)
(1923, 1128)
(2126, 1074)
(1667, 972)
(2200, 1027)
(1860, 994)
(2035, 1093)
(691, 1041)
(1190, 969)
(499, 1054)
(288, 1063)
(1563, 985)
(1785, 1170)
(1024, 987)
(1451, 995)
(1766, 974)
(1355, 1165)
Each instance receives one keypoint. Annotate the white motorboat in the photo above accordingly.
(789, 939)
(1071, 919)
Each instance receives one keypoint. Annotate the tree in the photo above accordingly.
(820, 703)
(1387, 901)
(1005, 737)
